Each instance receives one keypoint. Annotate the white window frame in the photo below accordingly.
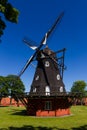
(47, 90)
(61, 89)
(47, 64)
(58, 77)
(37, 77)
(34, 90)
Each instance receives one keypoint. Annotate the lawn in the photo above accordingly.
(15, 118)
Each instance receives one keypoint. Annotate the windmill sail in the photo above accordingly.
(43, 42)
(45, 39)
(53, 27)
(25, 67)
(30, 43)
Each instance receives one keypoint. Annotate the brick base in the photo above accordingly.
(59, 107)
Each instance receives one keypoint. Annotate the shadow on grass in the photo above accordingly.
(3, 106)
(20, 113)
(80, 128)
(32, 128)
(43, 128)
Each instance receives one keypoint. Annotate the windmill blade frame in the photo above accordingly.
(30, 44)
(43, 42)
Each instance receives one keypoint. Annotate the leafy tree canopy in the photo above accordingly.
(3, 87)
(11, 84)
(79, 86)
(9, 12)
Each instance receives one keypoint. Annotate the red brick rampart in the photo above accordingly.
(10, 102)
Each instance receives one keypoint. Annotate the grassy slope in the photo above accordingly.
(13, 118)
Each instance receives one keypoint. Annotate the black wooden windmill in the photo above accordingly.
(48, 78)
(49, 72)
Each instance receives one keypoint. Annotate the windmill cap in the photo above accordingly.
(48, 51)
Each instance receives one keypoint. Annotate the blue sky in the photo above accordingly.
(36, 17)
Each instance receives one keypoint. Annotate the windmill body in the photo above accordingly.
(47, 79)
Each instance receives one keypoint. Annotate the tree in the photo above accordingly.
(3, 88)
(11, 85)
(79, 86)
(15, 84)
(9, 12)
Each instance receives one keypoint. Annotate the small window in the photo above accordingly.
(34, 90)
(47, 90)
(47, 64)
(58, 77)
(48, 105)
(61, 89)
(37, 77)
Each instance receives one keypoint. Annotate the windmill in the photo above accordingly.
(46, 96)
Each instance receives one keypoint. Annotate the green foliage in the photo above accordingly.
(3, 87)
(2, 26)
(15, 84)
(79, 86)
(10, 13)
(11, 84)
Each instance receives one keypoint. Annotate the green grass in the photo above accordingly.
(15, 118)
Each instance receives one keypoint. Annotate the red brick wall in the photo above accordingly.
(60, 107)
(85, 101)
(6, 102)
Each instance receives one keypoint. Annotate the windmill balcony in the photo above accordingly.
(52, 94)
